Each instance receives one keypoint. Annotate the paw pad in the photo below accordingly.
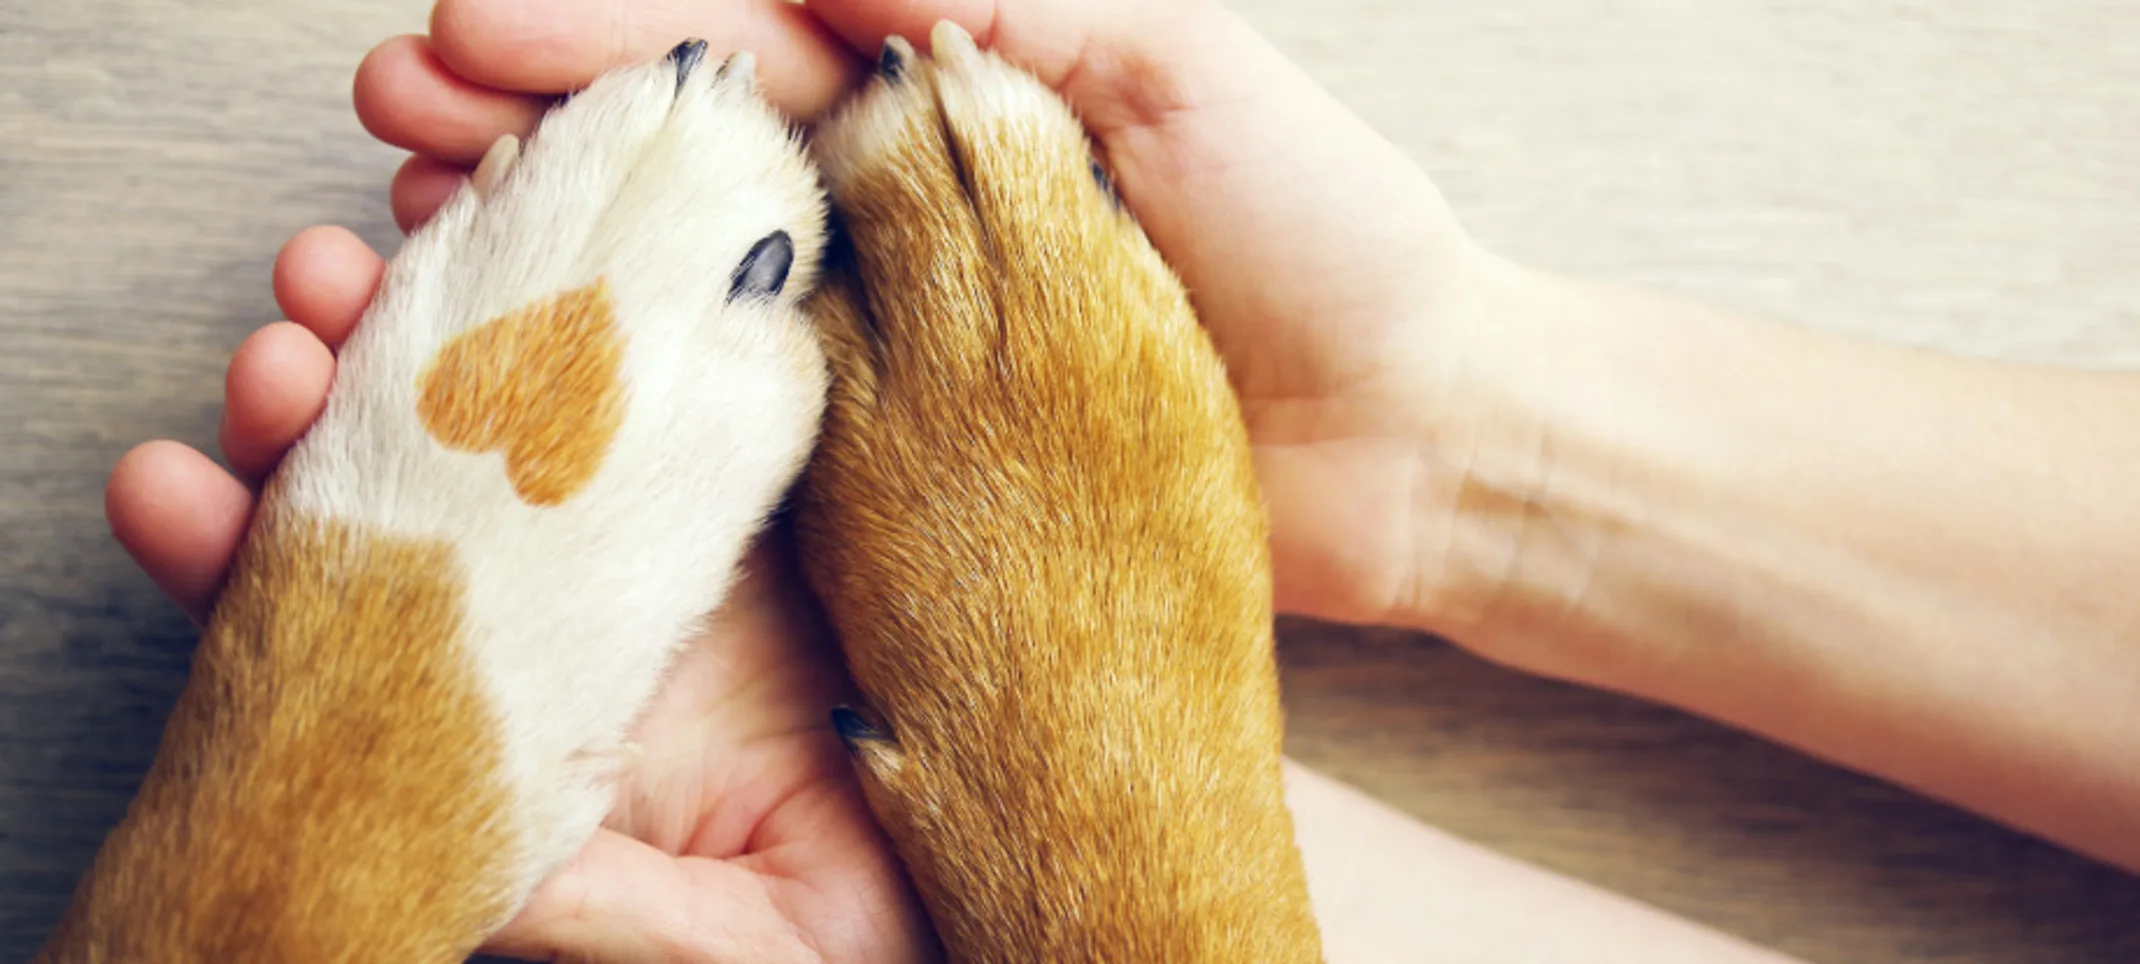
(540, 385)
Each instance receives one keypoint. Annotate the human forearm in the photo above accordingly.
(1913, 565)
(1387, 888)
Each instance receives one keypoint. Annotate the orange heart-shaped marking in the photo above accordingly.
(539, 384)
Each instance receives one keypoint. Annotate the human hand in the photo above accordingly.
(1324, 264)
(1351, 308)
(739, 833)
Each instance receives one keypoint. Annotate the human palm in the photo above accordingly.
(739, 832)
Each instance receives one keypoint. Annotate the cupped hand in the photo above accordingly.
(1325, 265)
(739, 833)
(1347, 301)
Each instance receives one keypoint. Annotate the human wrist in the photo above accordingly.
(1594, 475)
(1837, 543)
(1834, 542)
(1518, 488)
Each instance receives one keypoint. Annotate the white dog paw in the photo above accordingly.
(585, 383)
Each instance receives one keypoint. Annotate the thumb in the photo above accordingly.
(621, 901)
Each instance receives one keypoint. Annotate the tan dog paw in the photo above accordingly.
(1033, 520)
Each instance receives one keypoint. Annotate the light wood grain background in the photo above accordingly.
(1963, 174)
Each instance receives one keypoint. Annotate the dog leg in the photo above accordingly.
(1033, 521)
(579, 392)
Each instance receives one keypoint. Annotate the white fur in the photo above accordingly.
(575, 610)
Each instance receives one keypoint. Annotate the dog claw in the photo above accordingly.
(853, 729)
(893, 59)
(949, 41)
(742, 63)
(764, 271)
(1106, 183)
(687, 56)
(497, 161)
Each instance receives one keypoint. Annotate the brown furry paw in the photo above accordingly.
(1033, 521)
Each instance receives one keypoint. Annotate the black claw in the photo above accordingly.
(764, 270)
(853, 728)
(891, 61)
(687, 56)
(1106, 183)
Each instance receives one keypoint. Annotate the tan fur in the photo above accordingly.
(539, 385)
(1033, 521)
(325, 790)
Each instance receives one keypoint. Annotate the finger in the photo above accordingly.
(554, 46)
(421, 186)
(406, 96)
(1113, 60)
(864, 24)
(621, 901)
(324, 279)
(1047, 37)
(274, 390)
(181, 517)
(1178, 94)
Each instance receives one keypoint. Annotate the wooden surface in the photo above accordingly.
(1964, 174)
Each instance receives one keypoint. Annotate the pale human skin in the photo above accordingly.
(1922, 559)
